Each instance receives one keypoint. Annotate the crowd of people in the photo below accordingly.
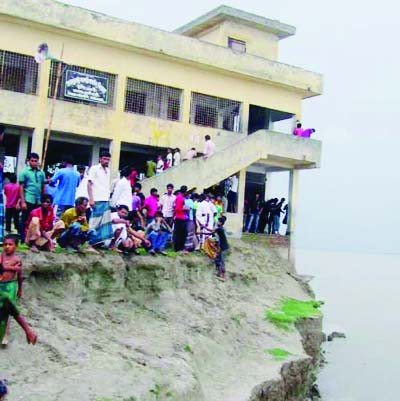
(174, 158)
(76, 207)
(76, 210)
(264, 216)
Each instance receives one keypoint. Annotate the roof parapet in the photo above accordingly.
(223, 12)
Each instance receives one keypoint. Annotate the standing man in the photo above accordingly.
(232, 194)
(151, 205)
(255, 211)
(122, 194)
(150, 168)
(209, 147)
(67, 180)
(167, 203)
(99, 196)
(180, 231)
(31, 183)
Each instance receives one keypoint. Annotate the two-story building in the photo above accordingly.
(137, 90)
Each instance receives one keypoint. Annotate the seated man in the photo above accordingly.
(137, 231)
(76, 227)
(120, 224)
(40, 229)
(158, 232)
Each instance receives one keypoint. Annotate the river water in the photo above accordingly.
(362, 299)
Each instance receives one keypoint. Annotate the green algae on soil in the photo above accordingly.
(291, 310)
(279, 354)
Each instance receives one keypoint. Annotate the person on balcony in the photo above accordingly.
(177, 157)
(308, 132)
(209, 147)
(190, 154)
(160, 165)
(298, 131)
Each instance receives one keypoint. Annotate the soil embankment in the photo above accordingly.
(160, 328)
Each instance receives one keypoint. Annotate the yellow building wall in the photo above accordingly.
(115, 124)
(258, 43)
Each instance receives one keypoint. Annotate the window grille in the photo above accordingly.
(152, 99)
(237, 45)
(215, 112)
(18, 73)
(111, 78)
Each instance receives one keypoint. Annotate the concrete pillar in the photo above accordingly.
(186, 100)
(115, 150)
(293, 195)
(245, 118)
(22, 152)
(37, 141)
(241, 188)
(95, 153)
(267, 194)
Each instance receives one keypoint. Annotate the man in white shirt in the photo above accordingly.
(177, 157)
(160, 165)
(209, 147)
(99, 196)
(232, 194)
(122, 194)
(204, 217)
(169, 159)
(167, 203)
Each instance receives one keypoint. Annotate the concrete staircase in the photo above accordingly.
(260, 145)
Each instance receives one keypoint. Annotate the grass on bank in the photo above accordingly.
(278, 354)
(291, 310)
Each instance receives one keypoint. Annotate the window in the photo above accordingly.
(152, 99)
(83, 85)
(237, 45)
(18, 73)
(215, 112)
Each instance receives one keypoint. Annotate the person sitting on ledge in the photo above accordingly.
(40, 227)
(120, 224)
(157, 233)
(77, 227)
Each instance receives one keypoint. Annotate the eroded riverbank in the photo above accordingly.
(161, 328)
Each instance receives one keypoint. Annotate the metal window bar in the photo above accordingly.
(215, 112)
(152, 99)
(18, 72)
(61, 88)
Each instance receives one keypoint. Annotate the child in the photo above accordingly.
(158, 232)
(10, 290)
(223, 248)
(11, 190)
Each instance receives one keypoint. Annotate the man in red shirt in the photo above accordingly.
(40, 228)
(180, 232)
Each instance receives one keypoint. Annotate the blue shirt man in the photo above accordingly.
(68, 180)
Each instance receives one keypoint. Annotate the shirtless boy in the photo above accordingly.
(10, 290)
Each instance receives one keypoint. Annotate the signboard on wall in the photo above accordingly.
(90, 88)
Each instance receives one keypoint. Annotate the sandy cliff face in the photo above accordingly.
(159, 328)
